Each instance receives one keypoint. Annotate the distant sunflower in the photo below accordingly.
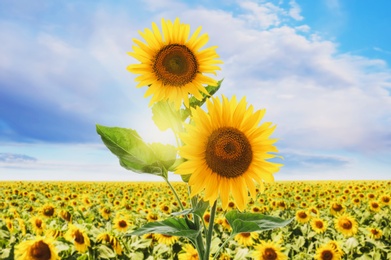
(328, 252)
(36, 249)
(165, 239)
(318, 225)
(374, 206)
(38, 225)
(246, 238)
(121, 223)
(268, 251)
(188, 253)
(346, 225)
(375, 233)
(172, 64)
(302, 216)
(78, 237)
(226, 151)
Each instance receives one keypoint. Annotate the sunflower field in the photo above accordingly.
(92, 220)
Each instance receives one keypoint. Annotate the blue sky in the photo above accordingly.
(322, 70)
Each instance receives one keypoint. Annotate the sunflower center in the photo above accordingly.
(269, 254)
(38, 223)
(319, 224)
(327, 255)
(79, 238)
(40, 251)
(228, 152)
(123, 224)
(175, 65)
(302, 215)
(245, 234)
(347, 224)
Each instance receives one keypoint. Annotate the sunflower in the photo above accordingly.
(36, 249)
(385, 200)
(172, 64)
(38, 225)
(121, 223)
(302, 216)
(165, 239)
(268, 251)
(226, 151)
(188, 253)
(336, 209)
(375, 233)
(78, 237)
(374, 206)
(112, 240)
(346, 225)
(328, 252)
(246, 238)
(318, 225)
(48, 210)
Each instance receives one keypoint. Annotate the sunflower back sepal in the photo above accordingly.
(136, 155)
(171, 226)
(194, 102)
(253, 222)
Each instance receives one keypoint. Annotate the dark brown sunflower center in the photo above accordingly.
(175, 65)
(38, 223)
(49, 211)
(374, 231)
(347, 224)
(228, 152)
(327, 255)
(269, 254)
(319, 224)
(302, 215)
(40, 251)
(337, 207)
(246, 234)
(79, 238)
(123, 224)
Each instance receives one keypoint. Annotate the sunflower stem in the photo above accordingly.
(210, 230)
(223, 245)
(175, 193)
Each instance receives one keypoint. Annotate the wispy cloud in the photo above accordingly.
(16, 158)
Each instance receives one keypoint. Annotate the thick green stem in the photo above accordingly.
(210, 230)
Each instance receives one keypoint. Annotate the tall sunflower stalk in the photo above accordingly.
(222, 152)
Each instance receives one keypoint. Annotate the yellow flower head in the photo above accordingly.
(328, 251)
(165, 239)
(226, 151)
(246, 238)
(78, 237)
(269, 251)
(188, 253)
(318, 225)
(172, 64)
(346, 225)
(36, 249)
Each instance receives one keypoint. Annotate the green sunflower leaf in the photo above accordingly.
(134, 154)
(171, 226)
(165, 116)
(251, 222)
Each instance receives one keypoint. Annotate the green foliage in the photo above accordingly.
(251, 222)
(211, 90)
(136, 155)
(166, 116)
(171, 226)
